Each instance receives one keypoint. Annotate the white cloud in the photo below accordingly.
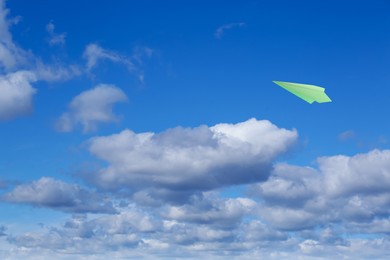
(91, 108)
(221, 30)
(16, 94)
(55, 38)
(48, 192)
(191, 159)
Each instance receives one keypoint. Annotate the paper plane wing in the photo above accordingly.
(309, 93)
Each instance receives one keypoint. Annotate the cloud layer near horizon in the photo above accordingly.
(285, 211)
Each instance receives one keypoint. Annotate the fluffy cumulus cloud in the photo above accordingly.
(190, 159)
(91, 108)
(51, 193)
(365, 174)
(350, 193)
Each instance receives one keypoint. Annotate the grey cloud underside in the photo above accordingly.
(51, 193)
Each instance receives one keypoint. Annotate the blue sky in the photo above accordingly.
(153, 130)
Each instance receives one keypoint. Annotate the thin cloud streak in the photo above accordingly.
(218, 34)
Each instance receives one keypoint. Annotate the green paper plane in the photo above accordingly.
(309, 93)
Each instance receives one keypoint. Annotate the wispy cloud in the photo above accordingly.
(11, 55)
(347, 135)
(55, 71)
(55, 38)
(222, 29)
(94, 54)
(91, 108)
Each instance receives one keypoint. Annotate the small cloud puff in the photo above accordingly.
(91, 108)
